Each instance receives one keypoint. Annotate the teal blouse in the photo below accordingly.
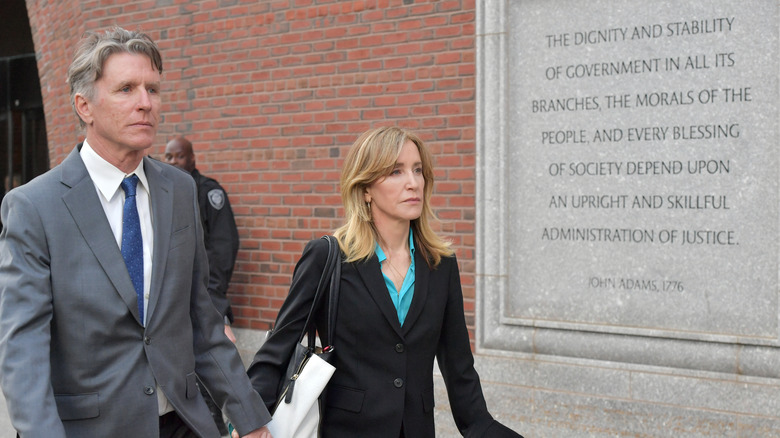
(402, 300)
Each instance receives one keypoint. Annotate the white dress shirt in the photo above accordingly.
(108, 180)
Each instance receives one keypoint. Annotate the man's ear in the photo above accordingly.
(83, 108)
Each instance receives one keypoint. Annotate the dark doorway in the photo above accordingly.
(24, 152)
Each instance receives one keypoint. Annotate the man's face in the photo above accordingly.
(124, 113)
(180, 155)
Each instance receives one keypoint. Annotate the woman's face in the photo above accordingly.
(398, 197)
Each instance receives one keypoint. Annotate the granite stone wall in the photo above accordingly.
(627, 211)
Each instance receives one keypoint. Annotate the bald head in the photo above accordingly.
(178, 152)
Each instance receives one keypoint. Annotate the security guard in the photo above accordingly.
(220, 236)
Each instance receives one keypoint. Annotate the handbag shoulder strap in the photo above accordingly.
(333, 301)
(330, 279)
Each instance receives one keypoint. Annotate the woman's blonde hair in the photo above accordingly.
(371, 157)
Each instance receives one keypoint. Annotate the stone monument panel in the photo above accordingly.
(642, 168)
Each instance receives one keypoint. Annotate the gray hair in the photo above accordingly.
(96, 48)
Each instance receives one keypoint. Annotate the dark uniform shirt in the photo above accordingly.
(221, 238)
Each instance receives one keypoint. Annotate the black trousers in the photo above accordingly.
(172, 426)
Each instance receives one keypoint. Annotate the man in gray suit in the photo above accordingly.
(105, 321)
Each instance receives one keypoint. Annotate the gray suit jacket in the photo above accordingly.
(75, 359)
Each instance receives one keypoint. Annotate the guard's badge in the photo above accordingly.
(216, 198)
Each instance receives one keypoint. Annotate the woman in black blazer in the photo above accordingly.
(400, 305)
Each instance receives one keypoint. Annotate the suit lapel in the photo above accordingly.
(84, 206)
(161, 194)
(421, 276)
(371, 275)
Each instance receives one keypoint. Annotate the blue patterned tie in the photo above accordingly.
(132, 242)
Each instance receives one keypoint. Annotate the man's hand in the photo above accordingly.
(229, 333)
(263, 432)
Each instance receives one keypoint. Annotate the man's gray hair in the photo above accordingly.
(96, 48)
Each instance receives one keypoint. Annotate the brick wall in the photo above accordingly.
(56, 26)
(272, 94)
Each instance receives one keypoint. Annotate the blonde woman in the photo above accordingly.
(400, 305)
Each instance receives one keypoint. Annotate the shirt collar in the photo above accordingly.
(381, 254)
(105, 176)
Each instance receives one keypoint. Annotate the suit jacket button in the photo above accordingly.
(147, 340)
(399, 382)
(148, 390)
(399, 348)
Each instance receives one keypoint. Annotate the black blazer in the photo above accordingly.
(384, 372)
